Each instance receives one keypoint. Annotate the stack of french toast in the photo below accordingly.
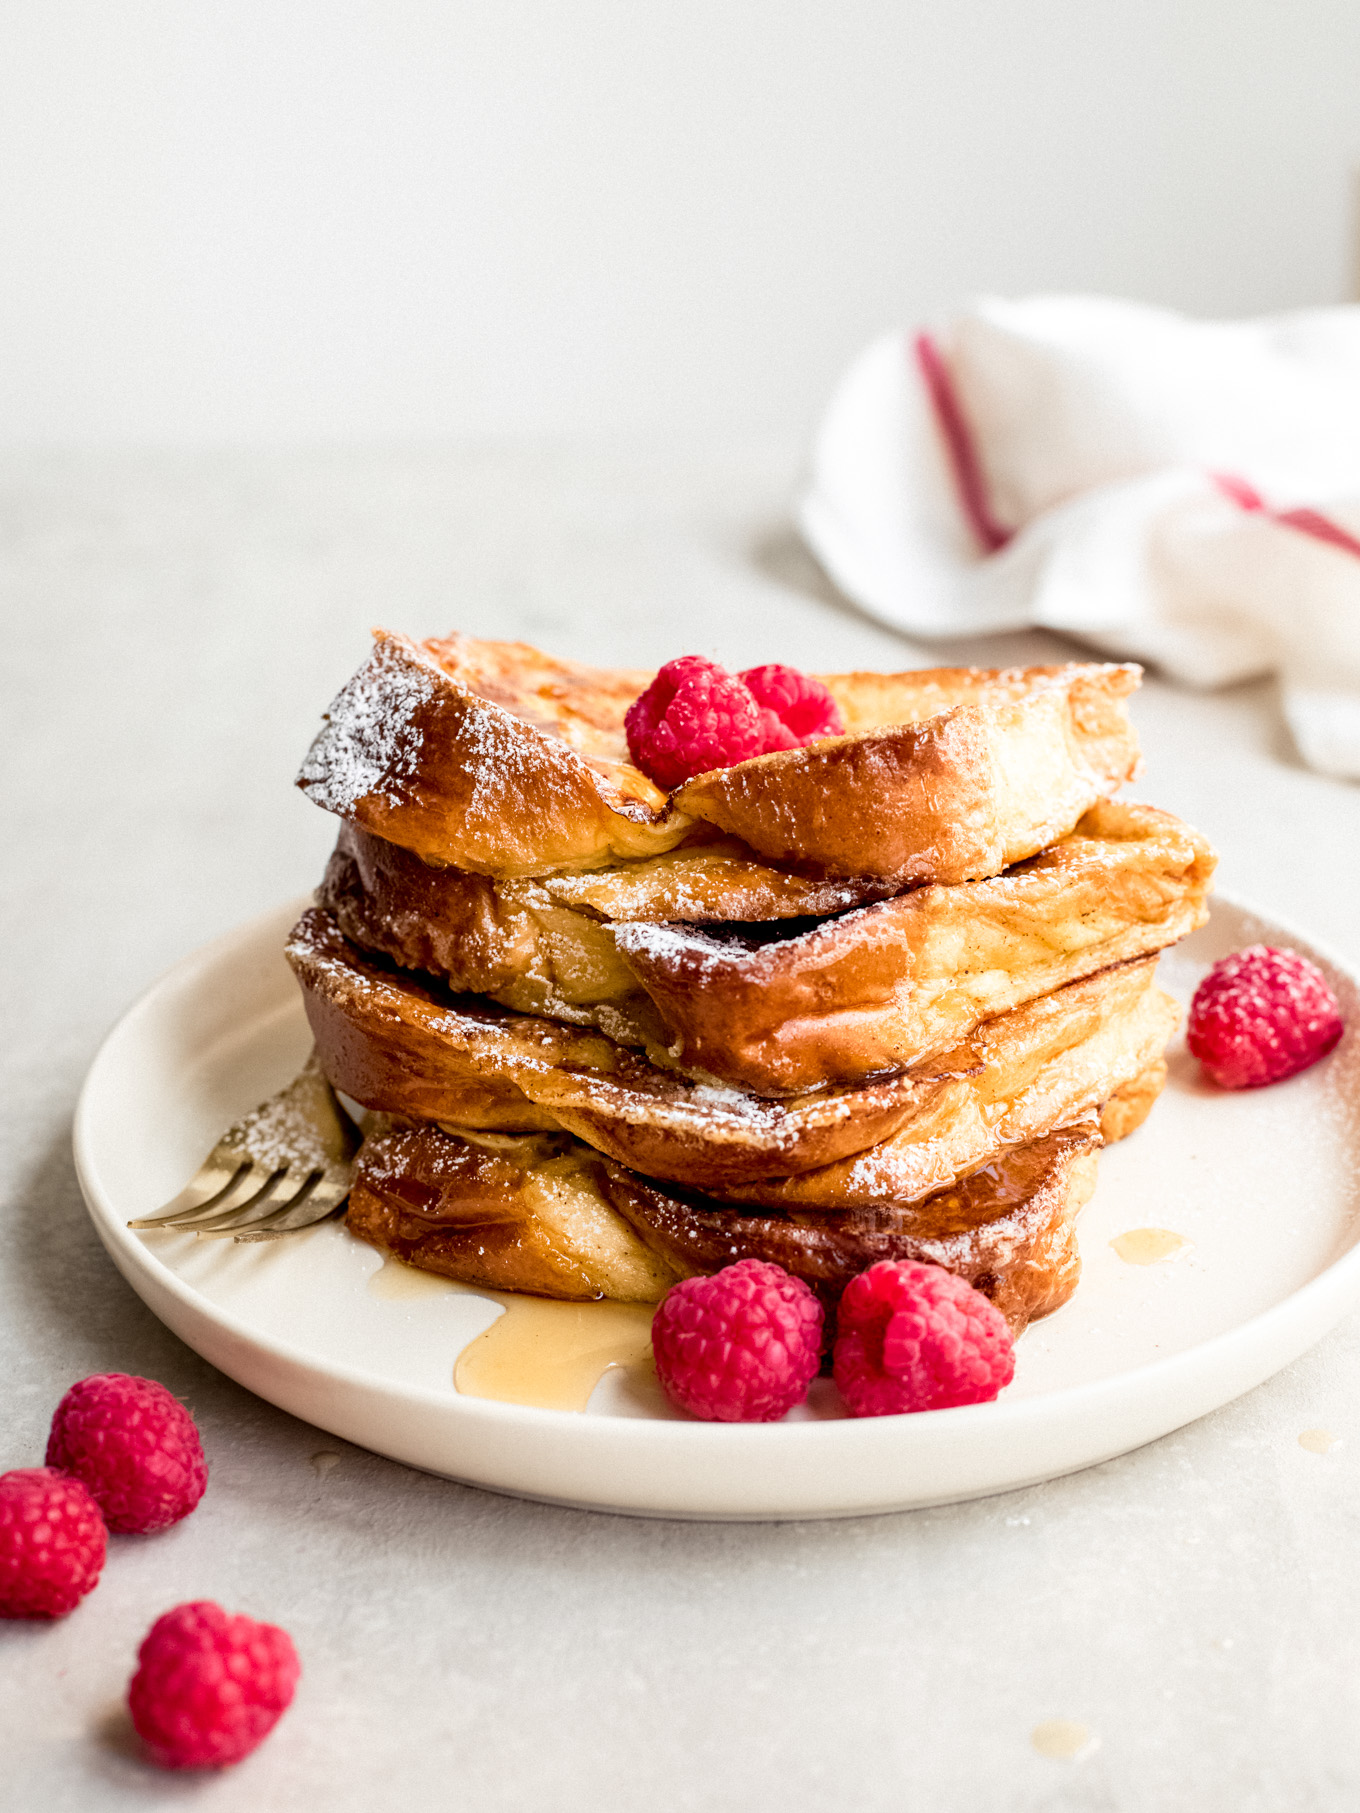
(882, 996)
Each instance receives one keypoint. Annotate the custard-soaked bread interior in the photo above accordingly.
(404, 1047)
(495, 758)
(548, 1215)
(774, 1007)
(516, 1213)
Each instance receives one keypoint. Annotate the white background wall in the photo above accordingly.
(292, 219)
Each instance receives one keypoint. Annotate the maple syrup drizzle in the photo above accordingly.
(1145, 1246)
(553, 1354)
(1319, 1441)
(1064, 1740)
(539, 1351)
(398, 1281)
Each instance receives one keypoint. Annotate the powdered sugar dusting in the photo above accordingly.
(281, 1133)
(504, 761)
(301, 1128)
(372, 740)
(672, 945)
(710, 883)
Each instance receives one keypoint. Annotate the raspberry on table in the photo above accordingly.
(696, 716)
(136, 1448)
(741, 1346)
(209, 1688)
(52, 1543)
(1262, 1015)
(915, 1337)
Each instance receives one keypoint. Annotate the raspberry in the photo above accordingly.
(52, 1543)
(1262, 1015)
(134, 1446)
(695, 716)
(209, 1688)
(802, 706)
(915, 1337)
(741, 1346)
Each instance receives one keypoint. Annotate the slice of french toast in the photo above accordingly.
(774, 1006)
(493, 757)
(406, 1047)
(548, 1215)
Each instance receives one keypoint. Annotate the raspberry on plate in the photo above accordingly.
(136, 1448)
(741, 1346)
(696, 716)
(1262, 1015)
(209, 1688)
(915, 1337)
(52, 1543)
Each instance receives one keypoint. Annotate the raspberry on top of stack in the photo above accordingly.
(644, 974)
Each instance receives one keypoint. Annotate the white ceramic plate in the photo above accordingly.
(1264, 1186)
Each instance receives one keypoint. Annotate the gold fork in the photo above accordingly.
(280, 1168)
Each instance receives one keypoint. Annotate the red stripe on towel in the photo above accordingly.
(1307, 522)
(969, 482)
(1238, 491)
(1321, 528)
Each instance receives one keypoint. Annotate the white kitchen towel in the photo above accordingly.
(1176, 491)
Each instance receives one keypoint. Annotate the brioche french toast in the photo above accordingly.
(547, 1214)
(774, 1006)
(879, 995)
(406, 1047)
(494, 758)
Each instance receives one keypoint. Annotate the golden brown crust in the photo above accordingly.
(1131, 1104)
(496, 758)
(1007, 1228)
(1043, 1066)
(412, 753)
(844, 999)
(482, 936)
(398, 1046)
(892, 984)
(956, 798)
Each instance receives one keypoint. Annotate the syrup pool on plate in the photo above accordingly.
(1146, 1246)
(1319, 1441)
(1064, 1740)
(539, 1351)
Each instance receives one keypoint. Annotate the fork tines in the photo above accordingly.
(254, 1185)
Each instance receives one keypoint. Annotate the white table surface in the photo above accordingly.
(173, 628)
